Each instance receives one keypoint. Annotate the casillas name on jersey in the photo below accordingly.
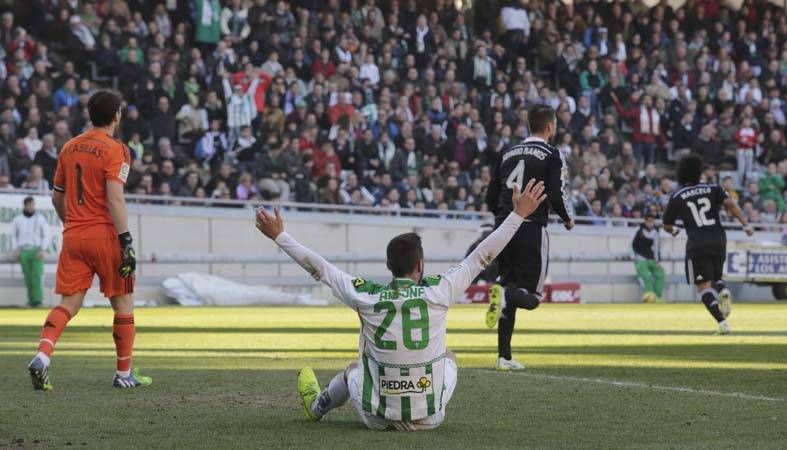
(698, 206)
(531, 159)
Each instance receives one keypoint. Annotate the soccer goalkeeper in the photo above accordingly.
(405, 376)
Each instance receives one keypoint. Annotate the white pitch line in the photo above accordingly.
(634, 384)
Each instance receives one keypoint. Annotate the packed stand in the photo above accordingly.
(402, 104)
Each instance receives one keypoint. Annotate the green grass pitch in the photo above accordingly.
(599, 376)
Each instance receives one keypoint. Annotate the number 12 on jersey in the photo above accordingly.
(700, 212)
(517, 175)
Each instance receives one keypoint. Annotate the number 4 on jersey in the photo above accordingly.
(517, 175)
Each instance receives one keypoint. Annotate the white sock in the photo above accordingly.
(44, 357)
(123, 373)
(333, 396)
(723, 323)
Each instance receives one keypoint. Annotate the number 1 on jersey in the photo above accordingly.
(517, 175)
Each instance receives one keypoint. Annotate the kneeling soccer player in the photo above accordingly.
(697, 205)
(405, 376)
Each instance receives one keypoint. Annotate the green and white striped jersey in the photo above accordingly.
(403, 325)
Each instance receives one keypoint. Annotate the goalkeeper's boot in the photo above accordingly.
(725, 302)
(309, 390)
(724, 329)
(132, 380)
(496, 294)
(39, 374)
(508, 364)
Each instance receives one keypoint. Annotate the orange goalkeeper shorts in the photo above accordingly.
(89, 252)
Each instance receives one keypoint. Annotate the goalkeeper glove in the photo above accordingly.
(127, 255)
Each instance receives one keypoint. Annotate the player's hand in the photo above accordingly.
(271, 225)
(749, 230)
(527, 201)
(128, 256)
(569, 225)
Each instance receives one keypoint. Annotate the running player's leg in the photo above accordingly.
(522, 269)
(702, 273)
(318, 403)
(528, 292)
(725, 296)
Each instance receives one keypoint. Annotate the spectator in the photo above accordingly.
(67, 95)
(35, 180)
(647, 253)
(746, 138)
(46, 157)
(771, 187)
(645, 121)
(241, 107)
(461, 95)
(208, 22)
(163, 122)
(594, 158)
(30, 241)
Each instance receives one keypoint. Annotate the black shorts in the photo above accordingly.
(523, 263)
(704, 268)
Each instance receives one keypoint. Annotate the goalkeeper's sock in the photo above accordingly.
(505, 329)
(719, 285)
(123, 332)
(710, 298)
(53, 327)
(333, 396)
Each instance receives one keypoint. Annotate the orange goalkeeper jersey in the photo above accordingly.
(84, 165)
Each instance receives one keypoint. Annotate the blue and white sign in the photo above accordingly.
(757, 265)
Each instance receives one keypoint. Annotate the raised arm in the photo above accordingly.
(456, 281)
(340, 282)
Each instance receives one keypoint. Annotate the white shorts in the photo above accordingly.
(373, 422)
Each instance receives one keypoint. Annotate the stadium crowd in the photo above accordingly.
(402, 104)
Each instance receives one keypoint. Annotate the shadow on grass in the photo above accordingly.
(721, 352)
(15, 330)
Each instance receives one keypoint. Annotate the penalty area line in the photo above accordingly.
(655, 387)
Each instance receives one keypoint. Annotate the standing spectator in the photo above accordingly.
(771, 187)
(647, 253)
(46, 158)
(241, 108)
(30, 240)
(208, 23)
(517, 25)
(234, 23)
(645, 120)
(746, 138)
(163, 120)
